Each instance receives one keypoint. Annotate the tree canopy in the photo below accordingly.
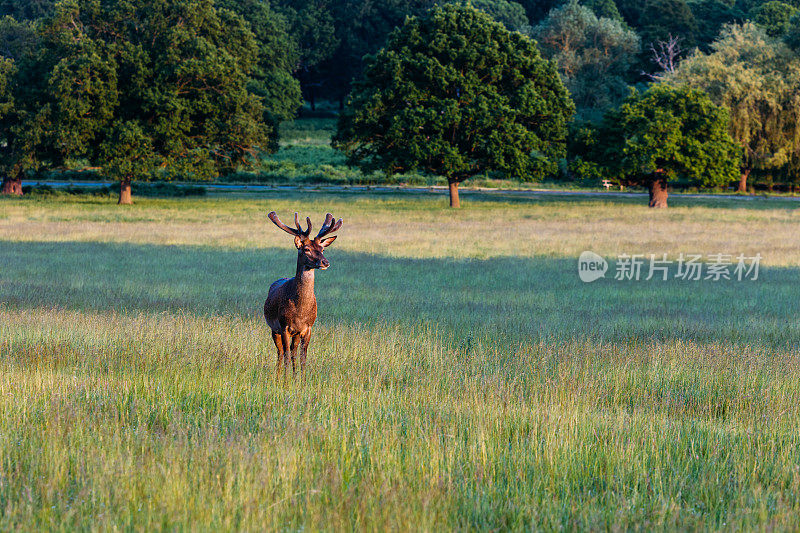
(271, 76)
(454, 93)
(775, 17)
(24, 120)
(663, 134)
(159, 86)
(594, 55)
(758, 80)
(511, 14)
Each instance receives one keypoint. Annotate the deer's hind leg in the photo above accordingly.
(295, 344)
(287, 342)
(278, 340)
(305, 339)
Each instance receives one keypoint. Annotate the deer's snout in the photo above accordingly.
(324, 264)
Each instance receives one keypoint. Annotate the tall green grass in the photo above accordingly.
(461, 376)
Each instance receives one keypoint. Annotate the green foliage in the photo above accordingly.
(587, 152)
(170, 88)
(792, 38)
(454, 93)
(758, 80)
(24, 118)
(631, 11)
(711, 16)
(662, 18)
(675, 130)
(775, 17)
(27, 9)
(510, 14)
(271, 78)
(7, 74)
(127, 151)
(604, 9)
(594, 55)
(312, 26)
(538, 9)
(361, 29)
(18, 39)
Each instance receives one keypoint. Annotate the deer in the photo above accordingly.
(291, 306)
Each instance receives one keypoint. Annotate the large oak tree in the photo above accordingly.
(456, 94)
(25, 120)
(155, 88)
(663, 134)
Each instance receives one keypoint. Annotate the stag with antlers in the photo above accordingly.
(291, 306)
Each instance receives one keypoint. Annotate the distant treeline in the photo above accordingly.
(324, 41)
(196, 88)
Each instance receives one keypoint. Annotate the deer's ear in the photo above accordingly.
(327, 242)
(298, 242)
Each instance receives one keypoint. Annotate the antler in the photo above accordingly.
(328, 226)
(296, 232)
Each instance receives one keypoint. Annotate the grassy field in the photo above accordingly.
(460, 374)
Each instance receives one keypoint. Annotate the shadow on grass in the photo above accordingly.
(503, 300)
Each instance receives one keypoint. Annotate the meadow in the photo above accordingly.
(461, 376)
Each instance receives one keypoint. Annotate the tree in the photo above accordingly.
(25, 120)
(156, 88)
(271, 77)
(311, 25)
(775, 17)
(538, 9)
(12, 184)
(792, 38)
(662, 18)
(456, 94)
(758, 80)
(22, 10)
(510, 14)
(666, 133)
(312, 29)
(711, 16)
(361, 29)
(604, 9)
(631, 11)
(594, 55)
(666, 55)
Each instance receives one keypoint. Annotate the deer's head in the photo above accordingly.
(310, 251)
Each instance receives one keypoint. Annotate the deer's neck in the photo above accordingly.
(304, 279)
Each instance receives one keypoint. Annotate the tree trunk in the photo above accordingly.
(12, 186)
(743, 180)
(454, 201)
(125, 193)
(312, 98)
(658, 190)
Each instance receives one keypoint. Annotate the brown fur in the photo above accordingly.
(291, 306)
